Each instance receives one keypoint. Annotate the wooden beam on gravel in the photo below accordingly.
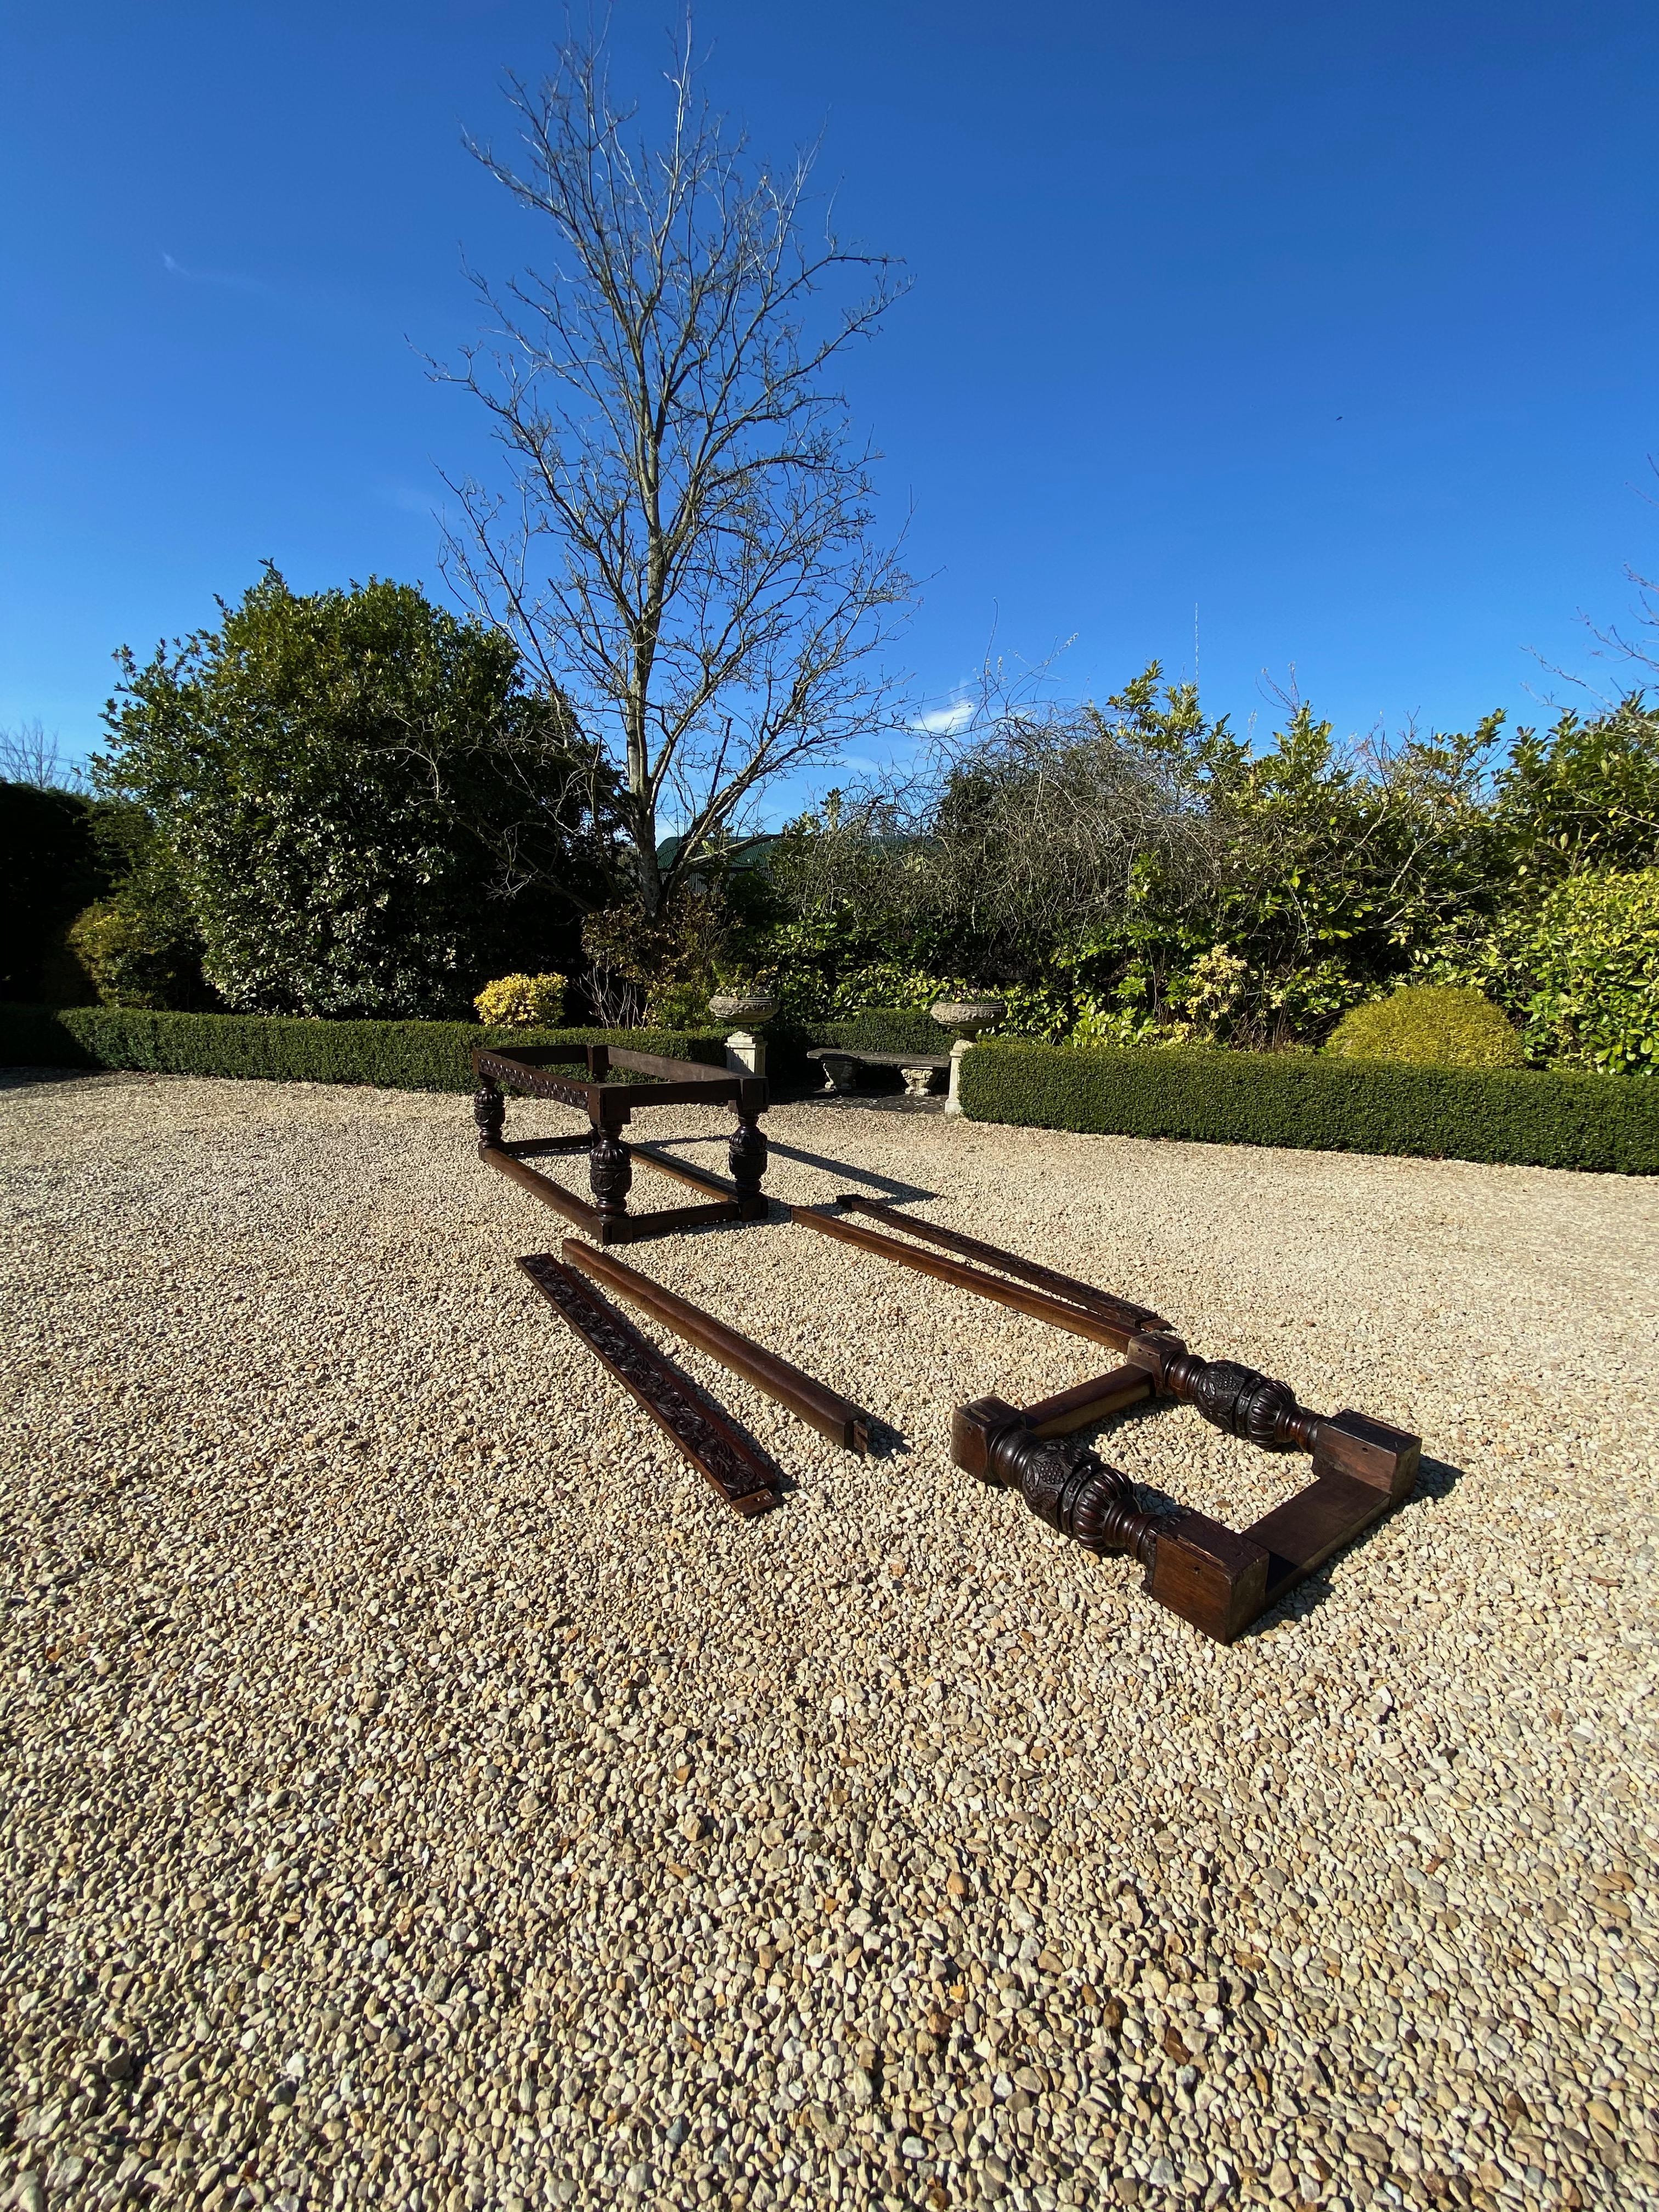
(1036, 1304)
(1008, 1263)
(808, 1399)
(702, 1431)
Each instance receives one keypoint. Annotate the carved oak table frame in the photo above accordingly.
(1218, 1578)
(537, 1072)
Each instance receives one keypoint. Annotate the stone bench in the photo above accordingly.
(839, 1062)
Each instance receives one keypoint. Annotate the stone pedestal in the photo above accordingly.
(918, 1081)
(959, 1052)
(745, 1055)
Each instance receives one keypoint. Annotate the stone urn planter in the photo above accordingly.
(967, 1017)
(744, 1013)
(746, 1048)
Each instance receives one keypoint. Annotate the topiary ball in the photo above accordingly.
(1434, 1024)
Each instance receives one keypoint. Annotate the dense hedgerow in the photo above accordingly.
(291, 1048)
(886, 1029)
(1511, 1116)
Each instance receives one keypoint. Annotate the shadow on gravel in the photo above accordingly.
(25, 1078)
(843, 1169)
(1436, 1479)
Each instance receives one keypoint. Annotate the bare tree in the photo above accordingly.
(27, 754)
(1025, 824)
(686, 546)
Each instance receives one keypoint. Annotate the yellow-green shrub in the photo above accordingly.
(1593, 959)
(522, 1002)
(1432, 1024)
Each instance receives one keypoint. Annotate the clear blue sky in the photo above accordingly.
(1341, 323)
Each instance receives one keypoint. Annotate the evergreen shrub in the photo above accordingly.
(1429, 1025)
(1512, 1116)
(521, 1002)
(884, 1029)
(1592, 958)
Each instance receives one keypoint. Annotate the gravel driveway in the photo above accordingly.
(418, 1788)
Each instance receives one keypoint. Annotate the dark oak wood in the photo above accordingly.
(648, 1156)
(544, 1187)
(1085, 1403)
(609, 1107)
(669, 1221)
(657, 1063)
(1369, 1452)
(1065, 1484)
(615, 1228)
(811, 1400)
(1302, 1533)
(1218, 1578)
(509, 1074)
(1035, 1302)
(1237, 1398)
(700, 1428)
(1210, 1576)
(1114, 1310)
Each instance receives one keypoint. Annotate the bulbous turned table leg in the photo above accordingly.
(1063, 1482)
(747, 1156)
(490, 1112)
(1237, 1398)
(611, 1173)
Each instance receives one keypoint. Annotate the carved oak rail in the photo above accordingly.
(540, 1071)
(1218, 1578)
(702, 1430)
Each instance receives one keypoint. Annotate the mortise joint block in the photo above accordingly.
(975, 1429)
(1210, 1576)
(1368, 1451)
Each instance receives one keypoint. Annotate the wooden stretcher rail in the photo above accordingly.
(701, 1429)
(682, 1170)
(1035, 1302)
(1086, 1403)
(811, 1400)
(1114, 1310)
(544, 1187)
(623, 1229)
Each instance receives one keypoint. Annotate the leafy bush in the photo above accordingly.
(646, 962)
(1584, 798)
(390, 1055)
(1319, 1104)
(1432, 1024)
(678, 1005)
(1137, 867)
(1592, 958)
(368, 810)
(521, 1002)
(137, 952)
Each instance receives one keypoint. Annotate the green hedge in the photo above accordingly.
(281, 1049)
(1515, 1117)
(885, 1028)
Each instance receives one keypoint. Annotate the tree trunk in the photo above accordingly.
(650, 875)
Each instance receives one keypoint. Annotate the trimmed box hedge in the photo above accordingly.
(1512, 1117)
(886, 1029)
(284, 1049)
